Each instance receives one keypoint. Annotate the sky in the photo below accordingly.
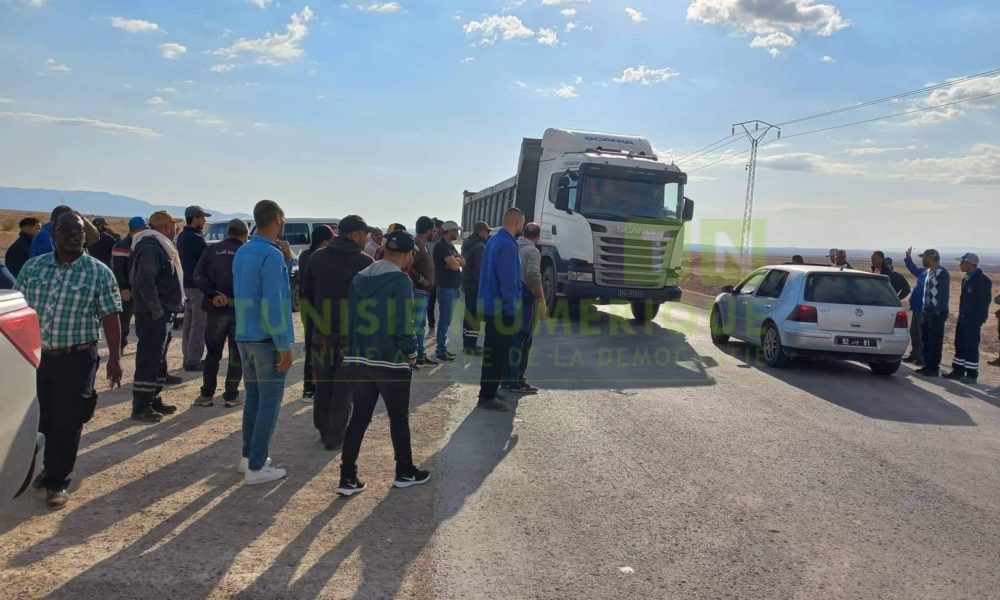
(392, 109)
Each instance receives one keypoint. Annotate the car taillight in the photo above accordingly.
(804, 313)
(21, 328)
(901, 320)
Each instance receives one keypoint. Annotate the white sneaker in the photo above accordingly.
(265, 475)
(244, 465)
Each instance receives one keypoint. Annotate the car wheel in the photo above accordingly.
(885, 368)
(549, 286)
(771, 348)
(645, 311)
(718, 332)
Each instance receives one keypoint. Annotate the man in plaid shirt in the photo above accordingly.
(75, 295)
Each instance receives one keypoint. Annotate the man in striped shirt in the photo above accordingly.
(935, 312)
(75, 296)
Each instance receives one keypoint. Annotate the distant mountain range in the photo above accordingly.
(93, 203)
(859, 256)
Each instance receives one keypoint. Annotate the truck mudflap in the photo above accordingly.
(606, 294)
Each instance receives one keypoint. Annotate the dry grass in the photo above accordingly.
(10, 218)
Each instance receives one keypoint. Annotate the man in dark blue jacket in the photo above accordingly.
(214, 278)
(20, 251)
(937, 283)
(973, 311)
(381, 349)
(499, 295)
(191, 245)
(917, 308)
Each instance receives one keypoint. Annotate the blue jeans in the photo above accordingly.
(520, 342)
(265, 390)
(420, 320)
(446, 300)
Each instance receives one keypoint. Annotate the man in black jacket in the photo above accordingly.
(121, 265)
(102, 250)
(973, 311)
(328, 279)
(156, 298)
(20, 251)
(214, 278)
(191, 245)
(322, 235)
(472, 250)
(883, 266)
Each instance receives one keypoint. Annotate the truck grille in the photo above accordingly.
(631, 261)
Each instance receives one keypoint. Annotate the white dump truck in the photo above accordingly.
(612, 216)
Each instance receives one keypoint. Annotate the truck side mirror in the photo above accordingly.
(562, 194)
(688, 210)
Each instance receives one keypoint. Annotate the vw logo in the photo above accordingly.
(858, 312)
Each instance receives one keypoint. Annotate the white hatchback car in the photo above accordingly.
(804, 311)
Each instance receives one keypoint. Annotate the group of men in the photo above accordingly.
(929, 305)
(366, 322)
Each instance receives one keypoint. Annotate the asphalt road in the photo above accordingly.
(652, 465)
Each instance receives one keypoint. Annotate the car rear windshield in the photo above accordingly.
(836, 288)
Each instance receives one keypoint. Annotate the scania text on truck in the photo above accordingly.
(612, 217)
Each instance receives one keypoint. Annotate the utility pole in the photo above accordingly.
(755, 131)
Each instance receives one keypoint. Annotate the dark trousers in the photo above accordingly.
(67, 400)
(220, 331)
(916, 337)
(527, 333)
(496, 353)
(394, 386)
(125, 318)
(308, 376)
(473, 320)
(967, 337)
(333, 401)
(431, 303)
(150, 359)
(932, 336)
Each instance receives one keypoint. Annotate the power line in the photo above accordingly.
(711, 150)
(894, 97)
(699, 151)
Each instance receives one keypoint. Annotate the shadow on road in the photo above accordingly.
(894, 398)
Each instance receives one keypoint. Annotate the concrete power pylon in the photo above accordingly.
(755, 131)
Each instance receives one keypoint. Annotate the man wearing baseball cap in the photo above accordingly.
(973, 310)
(191, 245)
(935, 312)
(104, 247)
(448, 265)
(381, 350)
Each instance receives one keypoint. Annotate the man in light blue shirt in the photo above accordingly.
(264, 334)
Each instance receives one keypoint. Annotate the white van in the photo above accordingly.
(298, 232)
(216, 232)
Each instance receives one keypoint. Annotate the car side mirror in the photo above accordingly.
(729, 290)
(688, 215)
(562, 194)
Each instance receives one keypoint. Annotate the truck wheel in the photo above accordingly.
(645, 311)
(549, 286)
(296, 301)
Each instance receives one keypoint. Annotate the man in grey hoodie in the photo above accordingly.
(532, 308)
(381, 349)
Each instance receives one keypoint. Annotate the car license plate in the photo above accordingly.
(631, 294)
(857, 342)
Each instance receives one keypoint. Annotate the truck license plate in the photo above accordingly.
(857, 342)
(631, 294)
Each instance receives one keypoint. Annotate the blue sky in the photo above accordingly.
(392, 109)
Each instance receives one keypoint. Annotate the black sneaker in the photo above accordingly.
(39, 481)
(414, 477)
(173, 380)
(349, 487)
(308, 394)
(56, 499)
(970, 379)
(927, 372)
(427, 361)
(447, 357)
(955, 375)
(234, 402)
(414, 367)
(492, 404)
(163, 409)
(146, 415)
(196, 368)
(524, 388)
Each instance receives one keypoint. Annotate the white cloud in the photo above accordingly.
(222, 68)
(635, 16)
(964, 90)
(828, 59)
(102, 126)
(876, 150)
(926, 205)
(979, 166)
(55, 67)
(570, 26)
(800, 207)
(469, 59)
(260, 3)
(766, 17)
(133, 25)
(197, 115)
(520, 85)
(172, 51)
(384, 7)
(643, 75)
(548, 37)
(156, 101)
(560, 2)
(27, 3)
(566, 92)
(807, 162)
(274, 48)
(773, 41)
(506, 27)
(569, 13)
(6, 101)
(166, 90)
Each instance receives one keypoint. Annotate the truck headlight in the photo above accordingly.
(579, 276)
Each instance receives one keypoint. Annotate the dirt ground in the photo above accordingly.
(10, 218)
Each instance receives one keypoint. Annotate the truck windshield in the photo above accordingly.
(622, 199)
